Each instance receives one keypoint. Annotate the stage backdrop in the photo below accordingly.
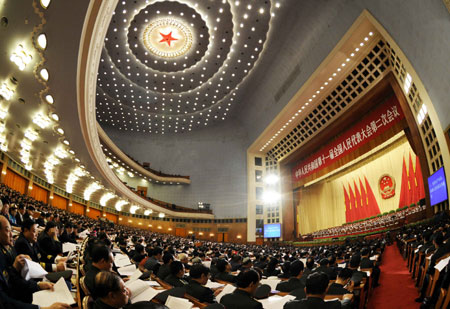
(369, 187)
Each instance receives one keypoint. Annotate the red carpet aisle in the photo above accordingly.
(396, 288)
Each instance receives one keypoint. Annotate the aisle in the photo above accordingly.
(396, 288)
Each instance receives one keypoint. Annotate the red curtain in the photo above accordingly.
(93, 213)
(39, 194)
(15, 181)
(112, 217)
(77, 208)
(59, 202)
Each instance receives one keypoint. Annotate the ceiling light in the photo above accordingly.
(41, 120)
(42, 41)
(3, 113)
(49, 99)
(20, 57)
(261, 11)
(55, 117)
(106, 197)
(133, 209)
(161, 215)
(31, 134)
(60, 153)
(66, 142)
(119, 204)
(60, 131)
(89, 190)
(44, 74)
(6, 91)
(45, 3)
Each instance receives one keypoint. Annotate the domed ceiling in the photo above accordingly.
(175, 66)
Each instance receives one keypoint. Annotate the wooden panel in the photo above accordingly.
(39, 194)
(59, 202)
(77, 208)
(15, 181)
(112, 217)
(93, 213)
(180, 232)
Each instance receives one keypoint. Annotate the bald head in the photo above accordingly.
(6, 237)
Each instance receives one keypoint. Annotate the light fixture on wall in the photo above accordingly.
(91, 189)
(119, 204)
(105, 198)
(147, 212)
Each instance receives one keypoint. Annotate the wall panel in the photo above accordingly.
(93, 213)
(39, 193)
(59, 202)
(77, 208)
(15, 181)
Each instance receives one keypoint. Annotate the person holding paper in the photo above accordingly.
(27, 244)
(199, 277)
(48, 242)
(176, 277)
(14, 290)
(242, 298)
(316, 289)
(102, 259)
(294, 282)
(110, 291)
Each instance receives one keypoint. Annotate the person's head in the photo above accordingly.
(139, 249)
(157, 253)
(51, 228)
(183, 257)
(317, 284)
(110, 288)
(223, 266)
(248, 280)
(199, 273)
(29, 230)
(21, 209)
(13, 211)
(102, 257)
(69, 228)
(354, 261)
(167, 258)
(438, 240)
(296, 268)
(365, 252)
(30, 210)
(310, 263)
(6, 236)
(324, 262)
(177, 269)
(344, 276)
(5, 208)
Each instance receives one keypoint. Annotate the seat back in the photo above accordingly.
(84, 288)
(88, 303)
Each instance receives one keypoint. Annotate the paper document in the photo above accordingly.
(228, 289)
(272, 282)
(152, 283)
(178, 303)
(207, 264)
(127, 270)
(441, 265)
(276, 301)
(341, 265)
(121, 260)
(141, 291)
(32, 270)
(68, 246)
(214, 285)
(137, 273)
(60, 294)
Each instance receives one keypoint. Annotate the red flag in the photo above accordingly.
(347, 206)
(372, 201)
(354, 216)
(419, 178)
(364, 201)
(358, 202)
(403, 200)
(412, 182)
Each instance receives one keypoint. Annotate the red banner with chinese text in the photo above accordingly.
(378, 121)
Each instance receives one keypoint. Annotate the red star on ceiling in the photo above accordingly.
(168, 38)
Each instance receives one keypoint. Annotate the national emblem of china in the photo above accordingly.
(386, 185)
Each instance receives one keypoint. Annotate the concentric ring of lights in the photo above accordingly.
(187, 36)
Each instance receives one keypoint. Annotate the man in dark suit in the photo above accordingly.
(164, 270)
(224, 269)
(153, 261)
(176, 277)
(325, 269)
(48, 243)
(20, 215)
(12, 285)
(357, 276)
(247, 282)
(366, 262)
(316, 289)
(308, 270)
(342, 280)
(66, 235)
(27, 244)
(102, 259)
(294, 282)
(199, 277)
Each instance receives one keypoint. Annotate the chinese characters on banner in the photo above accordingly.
(378, 121)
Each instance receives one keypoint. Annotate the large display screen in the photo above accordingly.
(272, 230)
(438, 187)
